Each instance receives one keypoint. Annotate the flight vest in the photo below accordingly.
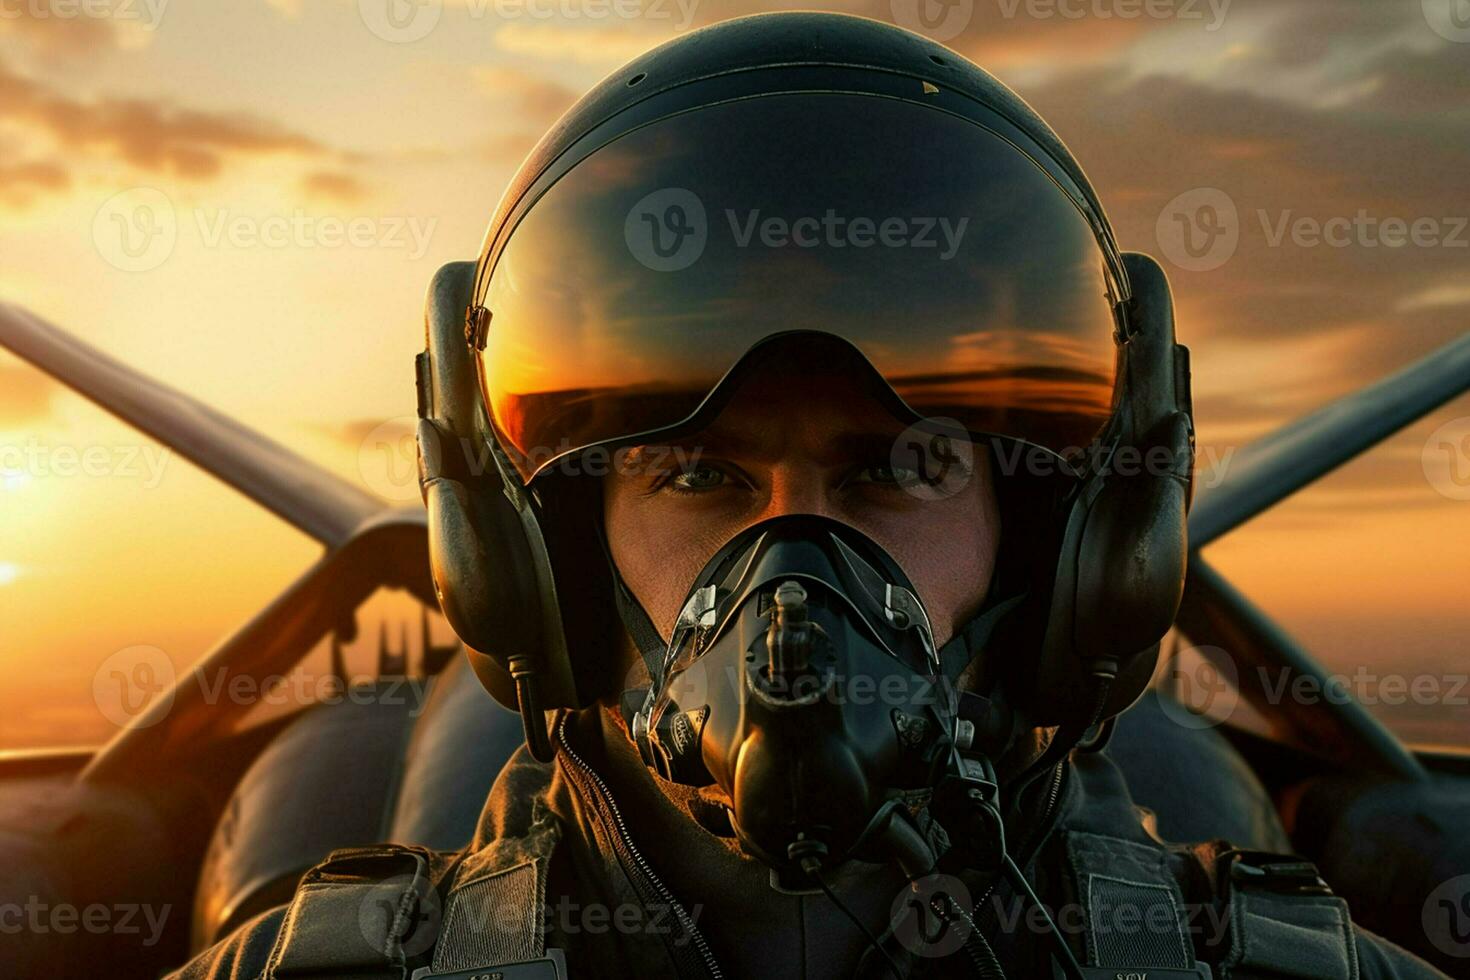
(399, 912)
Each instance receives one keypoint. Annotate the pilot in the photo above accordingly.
(832, 504)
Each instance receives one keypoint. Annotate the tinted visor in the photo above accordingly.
(958, 268)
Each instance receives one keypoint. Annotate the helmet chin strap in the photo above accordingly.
(645, 636)
(970, 639)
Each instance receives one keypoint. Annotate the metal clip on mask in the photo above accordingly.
(802, 678)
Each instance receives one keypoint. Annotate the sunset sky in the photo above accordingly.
(313, 163)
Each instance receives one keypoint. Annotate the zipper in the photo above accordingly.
(1054, 795)
(641, 863)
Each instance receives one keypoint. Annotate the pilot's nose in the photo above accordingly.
(799, 486)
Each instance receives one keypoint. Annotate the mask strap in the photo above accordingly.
(971, 638)
(630, 611)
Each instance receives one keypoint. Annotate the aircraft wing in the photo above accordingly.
(1293, 456)
(318, 502)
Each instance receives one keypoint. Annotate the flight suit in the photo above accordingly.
(576, 871)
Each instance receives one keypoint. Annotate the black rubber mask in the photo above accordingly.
(802, 678)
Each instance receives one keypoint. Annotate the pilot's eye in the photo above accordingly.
(898, 476)
(698, 478)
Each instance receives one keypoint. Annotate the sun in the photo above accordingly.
(9, 572)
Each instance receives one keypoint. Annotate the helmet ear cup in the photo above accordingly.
(1120, 571)
(464, 544)
(486, 551)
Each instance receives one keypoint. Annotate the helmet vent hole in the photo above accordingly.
(637, 78)
(937, 60)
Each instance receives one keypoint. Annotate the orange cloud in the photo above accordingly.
(610, 45)
(67, 35)
(22, 183)
(536, 99)
(333, 185)
(148, 135)
(537, 102)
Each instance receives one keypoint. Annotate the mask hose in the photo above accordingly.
(913, 855)
(809, 854)
(873, 942)
(1070, 967)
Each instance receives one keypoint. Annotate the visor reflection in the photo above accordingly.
(947, 257)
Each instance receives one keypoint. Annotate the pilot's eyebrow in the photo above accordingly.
(716, 440)
(656, 455)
